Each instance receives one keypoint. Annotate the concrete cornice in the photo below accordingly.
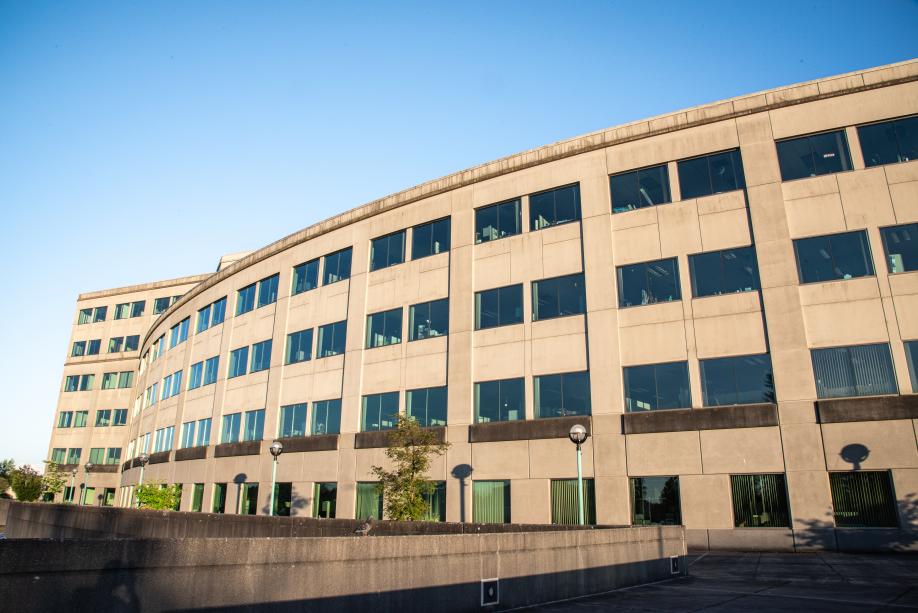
(799, 93)
(105, 293)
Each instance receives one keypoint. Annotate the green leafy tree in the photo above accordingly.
(53, 481)
(405, 488)
(26, 483)
(158, 496)
(6, 467)
(4, 485)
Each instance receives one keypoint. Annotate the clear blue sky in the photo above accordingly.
(142, 141)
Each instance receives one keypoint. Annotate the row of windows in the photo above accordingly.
(124, 310)
(116, 344)
(97, 455)
(110, 381)
(104, 418)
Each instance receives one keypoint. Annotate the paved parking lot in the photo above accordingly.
(753, 582)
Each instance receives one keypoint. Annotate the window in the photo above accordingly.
(219, 501)
(131, 343)
(103, 418)
(305, 277)
(261, 356)
(655, 501)
(299, 347)
(80, 418)
(498, 220)
(58, 455)
(73, 455)
(197, 498)
(79, 349)
(160, 305)
(565, 504)
(115, 344)
(337, 267)
(254, 425)
(71, 383)
(911, 352)
(387, 250)
(430, 238)
(369, 501)
(889, 142)
(862, 370)
(833, 257)
(203, 437)
(65, 419)
(195, 375)
(187, 434)
(138, 307)
(711, 174)
(428, 319)
(561, 395)
(900, 245)
(558, 297)
(84, 317)
(125, 379)
(639, 188)
(501, 306)
(326, 417)
(427, 406)
(210, 370)
(292, 420)
(745, 379)
(94, 346)
(78, 383)
(119, 417)
(325, 495)
(331, 339)
(499, 400)
(97, 455)
(759, 501)
(436, 502)
(724, 272)
(491, 502)
(176, 383)
(203, 319)
(231, 424)
(863, 499)
(384, 328)
(167, 387)
(113, 456)
(178, 333)
(249, 503)
(554, 207)
(99, 314)
(649, 283)
(123, 310)
(245, 299)
(218, 312)
(164, 439)
(814, 155)
(283, 499)
(153, 394)
(267, 290)
(379, 411)
(655, 387)
(239, 359)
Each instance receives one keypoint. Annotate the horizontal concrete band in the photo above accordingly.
(811, 538)
(189, 453)
(380, 438)
(714, 418)
(527, 429)
(875, 408)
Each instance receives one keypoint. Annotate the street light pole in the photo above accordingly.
(276, 449)
(578, 436)
(72, 481)
(142, 459)
(86, 470)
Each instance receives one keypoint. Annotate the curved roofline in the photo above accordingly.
(790, 95)
(141, 287)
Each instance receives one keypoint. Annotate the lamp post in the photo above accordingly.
(578, 436)
(276, 449)
(142, 459)
(88, 468)
(72, 481)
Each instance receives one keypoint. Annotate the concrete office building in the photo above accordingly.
(726, 296)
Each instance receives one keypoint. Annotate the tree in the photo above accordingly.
(53, 481)
(26, 483)
(158, 496)
(405, 488)
(6, 467)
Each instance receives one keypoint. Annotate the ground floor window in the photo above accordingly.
(655, 500)
(369, 501)
(108, 497)
(89, 496)
(178, 497)
(219, 502)
(491, 502)
(283, 499)
(249, 503)
(68, 493)
(197, 498)
(565, 507)
(863, 499)
(324, 498)
(436, 500)
(759, 501)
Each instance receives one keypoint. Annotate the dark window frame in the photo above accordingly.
(497, 206)
(867, 256)
(433, 225)
(387, 238)
(636, 173)
(845, 151)
(677, 283)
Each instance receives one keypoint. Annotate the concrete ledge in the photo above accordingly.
(103, 468)
(191, 453)
(160, 457)
(526, 429)
(713, 418)
(380, 438)
(66, 468)
(872, 408)
(228, 450)
(299, 444)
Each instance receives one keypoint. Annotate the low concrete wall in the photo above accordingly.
(815, 539)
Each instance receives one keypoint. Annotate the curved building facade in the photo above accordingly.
(726, 297)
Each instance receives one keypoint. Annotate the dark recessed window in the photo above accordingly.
(160, 305)
(325, 498)
(863, 499)
(860, 370)
(711, 174)
(554, 207)
(261, 356)
(900, 245)
(132, 342)
(759, 501)
(218, 312)
(430, 238)
(501, 306)
(85, 317)
(561, 395)
(336, 267)
(565, 504)
(387, 250)
(384, 328)
(326, 417)
(331, 339)
(648, 283)
(889, 142)
(911, 352)
(639, 188)
(379, 412)
(427, 406)
(210, 370)
(815, 155)
(305, 277)
(497, 221)
(744, 379)
(267, 290)
(833, 257)
(428, 319)
(724, 272)
(293, 420)
(239, 361)
(654, 387)
(245, 299)
(299, 346)
(558, 297)
(499, 401)
(655, 501)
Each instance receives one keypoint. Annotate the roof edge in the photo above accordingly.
(105, 293)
